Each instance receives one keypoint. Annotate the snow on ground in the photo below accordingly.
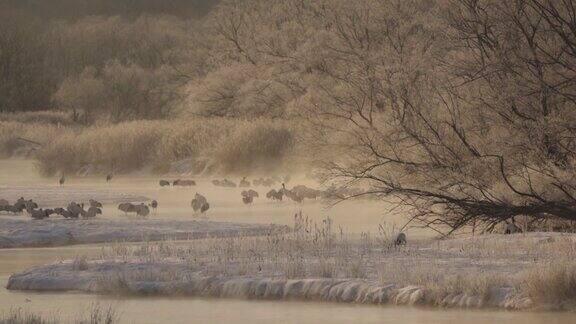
(481, 271)
(59, 232)
(108, 277)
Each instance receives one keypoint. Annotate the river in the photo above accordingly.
(200, 310)
(355, 217)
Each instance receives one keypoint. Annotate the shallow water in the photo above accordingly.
(226, 204)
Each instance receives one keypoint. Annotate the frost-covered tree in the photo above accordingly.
(467, 119)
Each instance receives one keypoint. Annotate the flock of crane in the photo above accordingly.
(199, 203)
(297, 193)
(73, 210)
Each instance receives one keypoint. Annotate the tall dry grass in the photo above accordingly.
(312, 250)
(537, 265)
(554, 284)
(230, 145)
(259, 145)
(14, 136)
(20, 316)
(120, 147)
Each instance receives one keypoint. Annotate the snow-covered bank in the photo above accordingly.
(58, 232)
(111, 277)
(522, 271)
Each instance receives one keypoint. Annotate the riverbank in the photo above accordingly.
(521, 272)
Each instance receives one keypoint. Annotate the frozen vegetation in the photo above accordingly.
(520, 271)
(59, 232)
(96, 314)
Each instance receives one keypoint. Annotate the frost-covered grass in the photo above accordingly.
(20, 316)
(553, 284)
(316, 261)
(96, 314)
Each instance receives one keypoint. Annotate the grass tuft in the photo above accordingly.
(552, 284)
(227, 146)
(96, 314)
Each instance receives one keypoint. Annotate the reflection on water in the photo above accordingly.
(353, 216)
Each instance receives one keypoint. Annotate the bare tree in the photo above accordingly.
(467, 120)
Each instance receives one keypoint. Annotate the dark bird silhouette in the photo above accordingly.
(244, 183)
(76, 209)
(184, 183)
(62, 180)
(228, 183)
(154, 205)
(142, 210)
(127, 207)
(294, 196)
(92, 212)
(250, 193)
(204, 207)
(95, 203)
(512, 228)
(200, 203)
(4, 202)
(36, 213)
(247, 199)
(275, 195)
(248, 196)
(19, 206)
(12, 209)
(306, 192)
(64, 213)
(400, 239)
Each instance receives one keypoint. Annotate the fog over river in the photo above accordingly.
(227, 206)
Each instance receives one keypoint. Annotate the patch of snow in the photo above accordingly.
(99, 277)
(59, 232)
